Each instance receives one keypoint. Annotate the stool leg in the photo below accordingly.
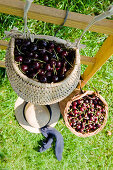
(101, 57)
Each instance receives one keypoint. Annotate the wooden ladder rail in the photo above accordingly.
(55, 16)
(104, 53)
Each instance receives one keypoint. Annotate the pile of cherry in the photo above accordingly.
(42, 60)
(87, 114)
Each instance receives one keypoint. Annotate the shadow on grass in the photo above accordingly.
(40, 144)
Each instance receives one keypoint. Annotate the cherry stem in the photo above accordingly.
(54, 70)
(35, 75)
(68, 62)
(56, 55)
(38, 60)
(19, 49)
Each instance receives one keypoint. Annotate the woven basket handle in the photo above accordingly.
(108, 13)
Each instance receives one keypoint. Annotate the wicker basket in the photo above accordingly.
(79, 96)
(34, 91)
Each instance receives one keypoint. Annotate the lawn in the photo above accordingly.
(18, 146)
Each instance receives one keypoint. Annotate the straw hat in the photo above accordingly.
(32, 117)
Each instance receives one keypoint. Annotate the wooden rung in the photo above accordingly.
(3, 44)
(87, 60)
(2, 64)
(55, 16)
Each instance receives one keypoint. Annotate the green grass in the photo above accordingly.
(18, 146)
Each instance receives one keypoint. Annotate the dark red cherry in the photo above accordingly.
(87, 130)
(27, 43)
(80, 101)
(48, 74)
(103, 110)
(92, 118)
(82, 109)
(75, 103)
(88, 112)
(98, 113)
(74, 106)
(70, 123)
(61, 76)
(42, 51)
(90, 101)
(75, 111)
(75, 115)
(92, 105)
(30, 54)
(92, 109)
(83, 125)
(64, 53)
(36, 65)
(71, 113)
(90, 126)
(23, 48)
(86, 101)
(18, 41)
(58, 63)
(63, 70)
(43, 79)
(88, 106)
(82, 130)
(50, 50)
(27, 60)
(54, 56)
(36, 56)
(31, 69)
(46, 58)
(58, 49)
(53, 63)
(24, 68)
(34, 48)
(78, 126)
(98, 125)
(32, 75)
(84, 105)
(95, 101)
(58, 68)
(40, 72)
(64, 63)
(55, 78)
(19, 59)
(51, 45)
(91, 114)
(47, 67)
(17, 53)
(80, 117)
(44, 43)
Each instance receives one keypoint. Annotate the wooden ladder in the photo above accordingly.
(76, 20)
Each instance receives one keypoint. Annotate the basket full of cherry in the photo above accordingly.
(42, 60)
(86, 114)
(44, 71)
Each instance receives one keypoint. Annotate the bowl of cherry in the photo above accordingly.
(86, 115)
(43, 60)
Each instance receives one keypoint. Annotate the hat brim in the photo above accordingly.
(19, 106)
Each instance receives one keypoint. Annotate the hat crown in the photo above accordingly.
(37, 115)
